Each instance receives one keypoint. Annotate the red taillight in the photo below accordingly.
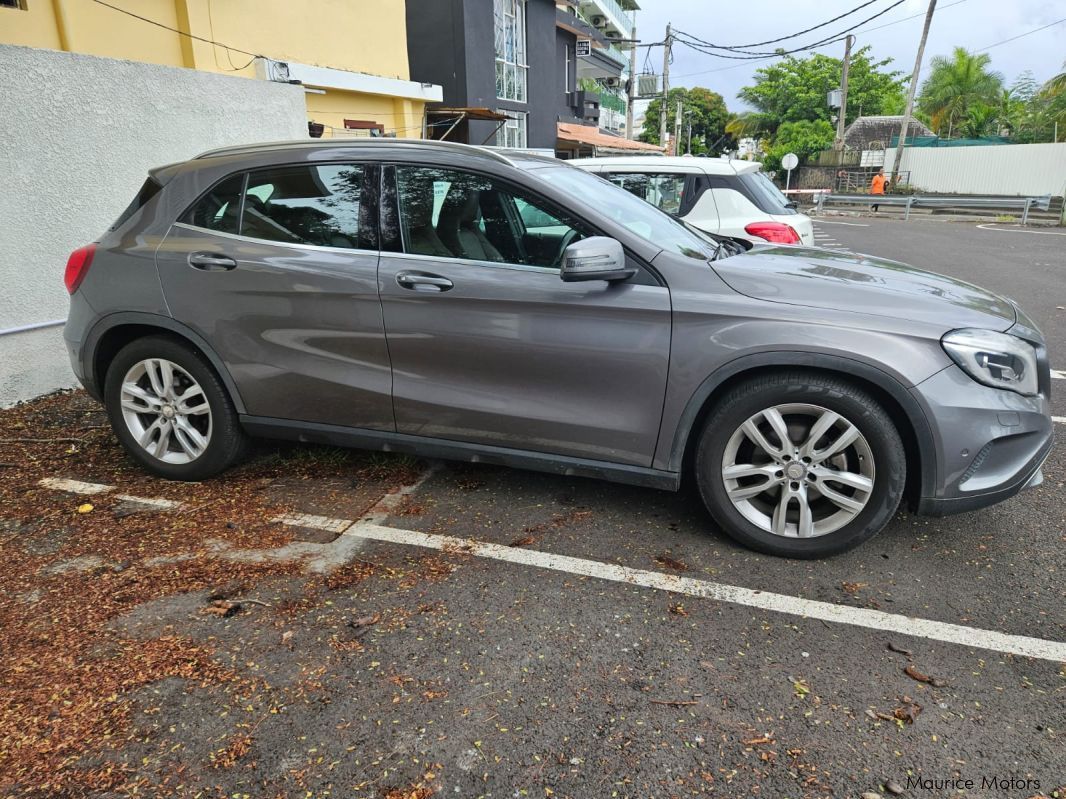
(777, 232)
(78, 266)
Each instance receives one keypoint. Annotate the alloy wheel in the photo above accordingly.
(798, 470)
(166, 411)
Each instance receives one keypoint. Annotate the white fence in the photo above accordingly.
(80, 134)
(1008, 169)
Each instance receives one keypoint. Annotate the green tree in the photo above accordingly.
(957, 86)
(706, 111)
(795, 89)
(805, 138)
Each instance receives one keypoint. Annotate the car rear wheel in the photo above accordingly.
(800, 465)
(171, 411)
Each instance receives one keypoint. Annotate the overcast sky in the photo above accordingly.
(973, 24)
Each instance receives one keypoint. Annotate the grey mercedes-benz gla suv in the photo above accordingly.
(457, 302)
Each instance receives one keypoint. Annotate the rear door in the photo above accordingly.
(498, 350)
(277, 269)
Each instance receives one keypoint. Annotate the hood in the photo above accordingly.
(841, 281)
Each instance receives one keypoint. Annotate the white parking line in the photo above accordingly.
(74, 486)
(988, 226)
(849, 224)
(152, 502)
(1059, 419)
(763, 600)
(314, 522)
(1057, 375)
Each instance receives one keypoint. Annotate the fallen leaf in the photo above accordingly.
(222, 607)
(852, 588)
(86, 508)
(670, 563)
(914, 674)
(898, 649)
(678, 609)
(801, 688)
(763, 739)
(365, 621)
(524, 541)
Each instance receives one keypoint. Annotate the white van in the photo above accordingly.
(731, 198)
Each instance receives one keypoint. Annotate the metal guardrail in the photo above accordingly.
(1023, 204)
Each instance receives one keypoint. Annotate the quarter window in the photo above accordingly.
(319, 205)
(453, 214)
(219, 209)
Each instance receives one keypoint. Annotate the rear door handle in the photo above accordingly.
(212, 262)
(422, 281)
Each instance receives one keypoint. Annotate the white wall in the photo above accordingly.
(1007, 169)
(80, 134)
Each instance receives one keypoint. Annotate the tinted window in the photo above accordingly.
(453, 214)
(664, 191)
(149, 190)
(218, 209)
(626, 210)
(762, 192)
(317, 205)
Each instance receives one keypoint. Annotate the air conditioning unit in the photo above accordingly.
(598, 21)
(612, 82)
(269, 69)
(613, 34)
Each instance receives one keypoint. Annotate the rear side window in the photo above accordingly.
(762, 191)
(219, 209)
(149, 190)
(319, 205)
(665, 191)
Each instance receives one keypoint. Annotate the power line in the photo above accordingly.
(791, 35)
(868, 30)
(1020, 35)
(776, 54)
(178, 31)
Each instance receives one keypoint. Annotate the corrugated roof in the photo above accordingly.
(586, 134)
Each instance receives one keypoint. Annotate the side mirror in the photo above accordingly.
(595, 258)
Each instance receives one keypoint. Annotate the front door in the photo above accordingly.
(277, 269)
(490, 346)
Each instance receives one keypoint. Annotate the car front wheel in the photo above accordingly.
(800, 465)
(171, 411)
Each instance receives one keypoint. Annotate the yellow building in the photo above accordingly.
(350, 55)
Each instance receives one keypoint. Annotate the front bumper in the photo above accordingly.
(990, 444)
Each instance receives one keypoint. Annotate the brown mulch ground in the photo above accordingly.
(66, 571)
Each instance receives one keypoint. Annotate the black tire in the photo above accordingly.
(857, 406)
(227, 443)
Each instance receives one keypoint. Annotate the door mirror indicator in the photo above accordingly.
(595, 258)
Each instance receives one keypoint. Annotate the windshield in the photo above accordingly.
(631, 212)
(768, 197)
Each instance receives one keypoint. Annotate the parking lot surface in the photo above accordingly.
(324, 623)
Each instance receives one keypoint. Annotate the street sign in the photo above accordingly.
(584, 47)
(789, 162)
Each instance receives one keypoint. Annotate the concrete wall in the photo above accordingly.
(79, 134)
(1009, 169)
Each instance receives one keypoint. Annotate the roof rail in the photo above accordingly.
(349, 143)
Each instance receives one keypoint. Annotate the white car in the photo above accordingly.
(731, 198)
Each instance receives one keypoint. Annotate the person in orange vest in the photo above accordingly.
(877, 185)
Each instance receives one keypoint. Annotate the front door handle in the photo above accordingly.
(212, 262)
(422, 281)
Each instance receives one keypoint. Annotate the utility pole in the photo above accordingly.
(677, 128)
(667, 43)
(905, 127)
(632, 93)
(848, 42)
(689, 148)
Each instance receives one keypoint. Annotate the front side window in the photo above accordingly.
(509, 21)
(449, 213)
(513, 132)
(625, 210)
(317, 205)
(219, 209)
(664, 191)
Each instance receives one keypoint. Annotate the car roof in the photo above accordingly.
(709, 166)
(327, 145)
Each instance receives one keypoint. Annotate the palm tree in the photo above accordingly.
(957, 85)
(1056, 85)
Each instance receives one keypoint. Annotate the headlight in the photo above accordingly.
(995, 359)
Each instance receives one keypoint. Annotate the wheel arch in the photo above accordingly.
(115, 331)
(893, 396)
